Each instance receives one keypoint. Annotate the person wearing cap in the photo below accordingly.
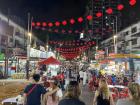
(72, 95)
(53, 97)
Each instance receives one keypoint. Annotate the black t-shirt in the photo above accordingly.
(101, 101)
(71, 102)
(35, 96)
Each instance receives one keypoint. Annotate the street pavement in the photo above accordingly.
(87, 96)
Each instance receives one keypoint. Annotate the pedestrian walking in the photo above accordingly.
(54, 95)
(81, 73)
(34, 91)
(102, 95)
(84, 78)
(72, 95)
(134, 96)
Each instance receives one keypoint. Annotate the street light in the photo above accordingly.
(47, 47)
(96, 48)
(30, 37)
(29, 34)
(115, 34)
(115, 44)
(81, 35)
(28, 53)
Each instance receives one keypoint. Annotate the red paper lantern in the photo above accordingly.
(109, 11)
(99, 14)
(50, 24)
(90, 31)
(56, 30)
(76, 31)
(38, 23)
(63, 31)
(70, 31)
(89, 17)
(120, 7)
(64, 22)
(44, 24)
(80, 19)
(33, 24)
(132, 2)
(93, 42)
(57, 24)
(72, 21)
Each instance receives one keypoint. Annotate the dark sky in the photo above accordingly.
(45, 9)
(52, 10)
(130, 14)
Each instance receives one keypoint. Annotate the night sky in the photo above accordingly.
(52, 10)
(44, 9)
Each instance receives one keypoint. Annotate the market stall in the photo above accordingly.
(52, 66)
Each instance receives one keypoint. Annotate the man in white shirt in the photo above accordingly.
(81, 73)
(84, 78)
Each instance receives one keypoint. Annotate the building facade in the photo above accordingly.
(127, 40)
(13, 37)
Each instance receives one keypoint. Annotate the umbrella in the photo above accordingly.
(50, 61)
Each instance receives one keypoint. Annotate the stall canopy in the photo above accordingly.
(50, 61)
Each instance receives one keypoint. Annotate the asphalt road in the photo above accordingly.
(87, 96)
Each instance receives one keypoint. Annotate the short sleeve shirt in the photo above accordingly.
(35, 96)
(59, 93)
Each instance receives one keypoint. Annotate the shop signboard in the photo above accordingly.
(37, 53)
(100, 52)
(2, 56)
(112, 55)
(50, 54)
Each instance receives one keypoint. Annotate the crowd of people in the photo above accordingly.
(37, 94)
(55, 91)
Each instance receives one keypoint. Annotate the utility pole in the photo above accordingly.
(6, 50)
(116, 47)
(28, 49)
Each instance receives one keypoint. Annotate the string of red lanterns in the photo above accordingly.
(62, 31)
(72, 43)
(71, 53)
(77, 49)
(70, 56)
(72, 21)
